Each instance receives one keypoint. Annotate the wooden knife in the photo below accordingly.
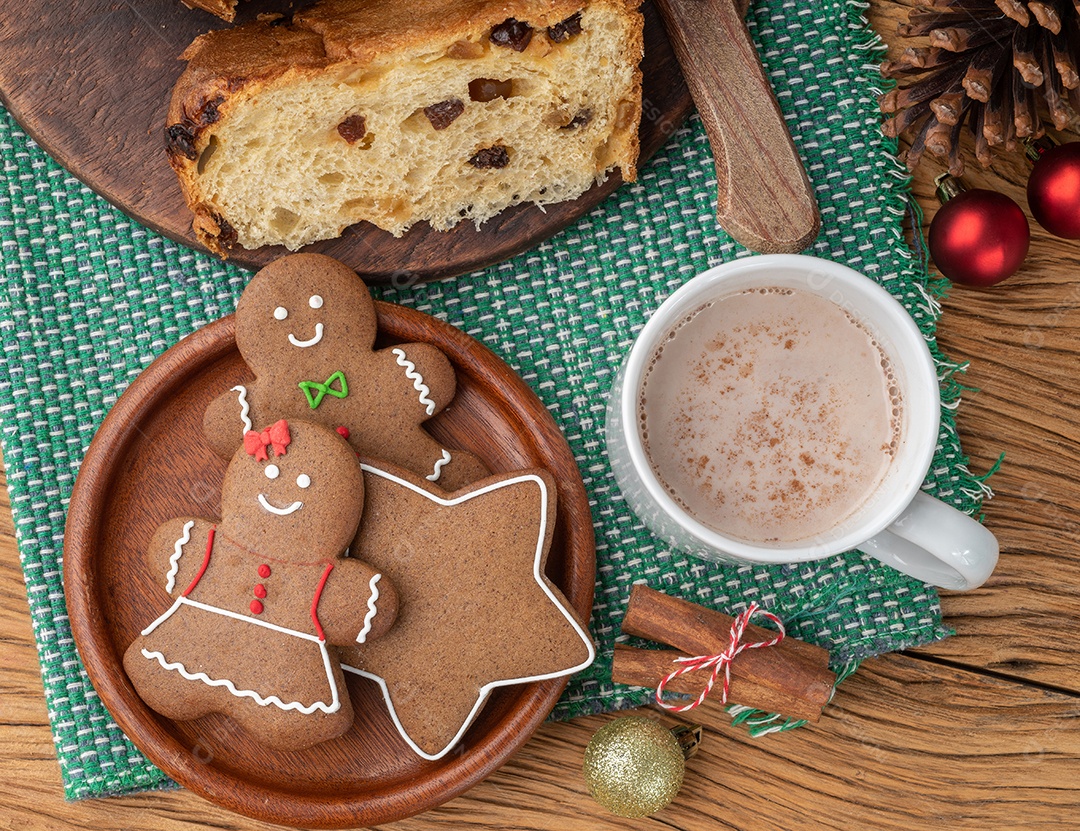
(765, 200)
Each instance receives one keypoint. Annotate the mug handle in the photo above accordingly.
(937, 544)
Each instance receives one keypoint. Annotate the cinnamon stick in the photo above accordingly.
(646, 667)
(792, 677)
(696, 630)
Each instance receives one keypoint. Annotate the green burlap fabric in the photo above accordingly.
(90, 298)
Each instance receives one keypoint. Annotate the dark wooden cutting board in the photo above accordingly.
(90, 81)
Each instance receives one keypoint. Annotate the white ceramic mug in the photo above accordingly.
(898, 523)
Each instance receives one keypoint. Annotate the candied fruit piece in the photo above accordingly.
(353, 128)
(465, 50)
(563, 31)
(580, 120)
(209, 114)
(443, 114)
(180, 141)
(491, 157)
(513, 33)
(488, 89)
(226, 233)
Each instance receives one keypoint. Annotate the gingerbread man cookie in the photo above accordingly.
(477, 610)
(260, 595)
(306, 327)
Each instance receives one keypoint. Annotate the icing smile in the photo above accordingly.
(311, 341)
(296, 506)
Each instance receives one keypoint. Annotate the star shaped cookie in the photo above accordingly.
(476, 610)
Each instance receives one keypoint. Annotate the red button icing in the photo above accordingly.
(264, 571)
(260, 590)
(256, 607)
(343, 432)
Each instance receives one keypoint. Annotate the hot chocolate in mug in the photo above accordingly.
(781, 409)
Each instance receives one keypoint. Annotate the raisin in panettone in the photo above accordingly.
(286, 132)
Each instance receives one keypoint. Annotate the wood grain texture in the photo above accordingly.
(977, 732)
(1022, 339)
(90, 81)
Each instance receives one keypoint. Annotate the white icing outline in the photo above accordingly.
(439, 465)
(245, 408)
(332, 707)
(373, 587)
(485, 691)
(174, 560)
(416, 378)
(303, 344)
(296, 506)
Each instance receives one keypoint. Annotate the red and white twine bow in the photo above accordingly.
(719, 662)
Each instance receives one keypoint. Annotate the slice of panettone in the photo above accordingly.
(286, 132)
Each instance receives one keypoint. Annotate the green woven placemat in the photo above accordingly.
(90, 298)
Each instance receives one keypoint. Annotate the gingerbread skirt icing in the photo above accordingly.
(291, 691)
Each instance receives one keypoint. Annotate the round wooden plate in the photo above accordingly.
(148, 463)
(90, 81)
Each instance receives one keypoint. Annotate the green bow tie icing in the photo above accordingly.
(315, 392)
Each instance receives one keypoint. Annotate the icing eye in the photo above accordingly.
(271, 471)
(280, 313)
(303, 480)
(315, 301)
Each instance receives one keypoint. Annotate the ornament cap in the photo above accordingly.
(1035, 148)
(948, 187)
(689, 738)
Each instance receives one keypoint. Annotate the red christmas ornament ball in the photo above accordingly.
(1054, 190)
(979, 238)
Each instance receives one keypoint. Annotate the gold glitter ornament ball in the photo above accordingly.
(634, 766)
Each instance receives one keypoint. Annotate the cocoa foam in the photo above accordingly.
(770, 415)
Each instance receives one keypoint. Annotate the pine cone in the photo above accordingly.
(999, 68)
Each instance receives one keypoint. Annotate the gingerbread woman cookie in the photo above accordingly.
(306, 327)
(477, 610)
(261, 594)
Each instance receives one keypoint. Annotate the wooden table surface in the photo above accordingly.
(979, 731)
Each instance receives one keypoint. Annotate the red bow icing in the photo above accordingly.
(275, 436)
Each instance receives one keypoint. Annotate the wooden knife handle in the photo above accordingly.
(765, 200)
